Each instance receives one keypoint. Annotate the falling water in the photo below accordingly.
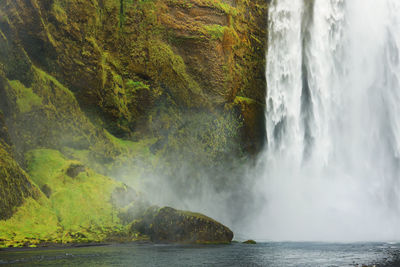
(332, 164)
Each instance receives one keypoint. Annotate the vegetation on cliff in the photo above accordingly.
(66, 209)
(120, 88)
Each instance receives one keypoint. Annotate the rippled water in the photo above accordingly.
(263, 254)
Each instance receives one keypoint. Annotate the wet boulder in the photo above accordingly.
(168, 225)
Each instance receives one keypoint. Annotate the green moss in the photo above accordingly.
(59, 11)
(45, 166)
(33, 223)
(133, 86)
(250, 242)
(26, 98)
(2, 34)
(79, 208)
(171, 70)
(15, 185)
(195, 215)
(241, 99)
(215, 31)
(218, 4)
(81, 203)
(43, 77)
(225, 7)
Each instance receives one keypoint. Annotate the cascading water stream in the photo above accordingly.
(333, 121)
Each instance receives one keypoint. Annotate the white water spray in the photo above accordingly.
(332, 167)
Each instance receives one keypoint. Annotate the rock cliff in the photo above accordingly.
(110, 83)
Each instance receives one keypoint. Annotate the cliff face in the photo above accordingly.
(110, 82)
(122, 58)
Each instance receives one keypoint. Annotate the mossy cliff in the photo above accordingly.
(121, 59)
(15, 185)
(108, 84)
(65, 209)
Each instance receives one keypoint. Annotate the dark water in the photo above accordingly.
(264, 254)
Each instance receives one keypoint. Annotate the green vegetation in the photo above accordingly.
(124, 88)
(34, 222)
(171, 69)
(215, 31)
(14, 183)
(134, 86)
(75, 209)
(241, 99)
(26, 98)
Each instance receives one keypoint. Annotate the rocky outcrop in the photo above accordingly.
(15, 185)
(68, 208)
(111, 83)
(168, 225)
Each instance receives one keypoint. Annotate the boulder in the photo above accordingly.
(75, 169)
(168, 225)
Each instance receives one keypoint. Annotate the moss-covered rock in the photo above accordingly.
(168, 225)
(4, 137)
(82, 202)
(175, 79)
(15, 185)
(121, 58)
(252, 132)
(139, 69)
(69, 209)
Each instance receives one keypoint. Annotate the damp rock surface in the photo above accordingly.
(168, 225)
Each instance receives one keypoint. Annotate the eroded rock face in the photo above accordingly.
(123, 58)
(168, 225)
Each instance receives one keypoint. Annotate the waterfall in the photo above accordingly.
(331, 169)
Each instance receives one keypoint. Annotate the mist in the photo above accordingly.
(330, 168)
(199, 165)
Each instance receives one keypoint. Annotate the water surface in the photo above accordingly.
(262, 254)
